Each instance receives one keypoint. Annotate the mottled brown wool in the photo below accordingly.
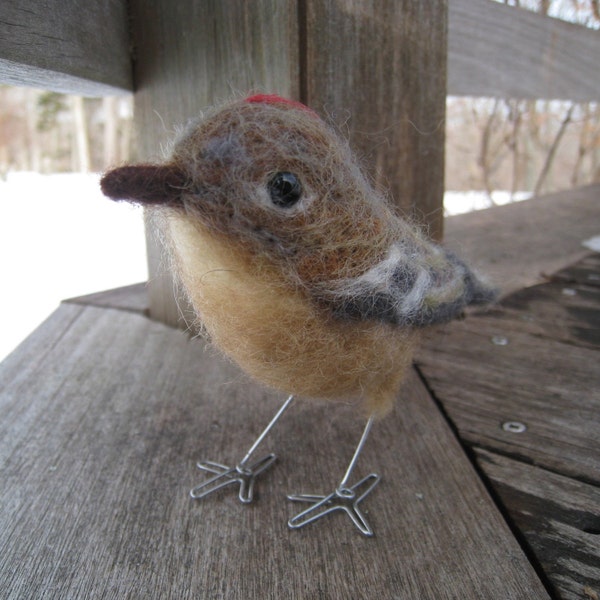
(323, 298)
(241, 147)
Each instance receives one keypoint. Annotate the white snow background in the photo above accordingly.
(61, 238)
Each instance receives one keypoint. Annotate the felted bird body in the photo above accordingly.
(297, 268)
(269, 327)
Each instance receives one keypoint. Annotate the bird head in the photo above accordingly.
(271, 176)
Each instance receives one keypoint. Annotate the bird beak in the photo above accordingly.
(145, 184)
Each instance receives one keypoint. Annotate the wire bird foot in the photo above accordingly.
(346, 499)
(243, 473)
(224, 476)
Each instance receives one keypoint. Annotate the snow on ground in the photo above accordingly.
(60, 238)
(457, 203)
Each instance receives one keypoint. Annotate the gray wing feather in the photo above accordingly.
(411, 289)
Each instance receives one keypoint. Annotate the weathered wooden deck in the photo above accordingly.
(104, 413)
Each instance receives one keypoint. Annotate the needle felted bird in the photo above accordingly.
(296, 267)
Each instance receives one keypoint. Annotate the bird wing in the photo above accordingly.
(410, 289)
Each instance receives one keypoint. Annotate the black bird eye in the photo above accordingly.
(285, 189)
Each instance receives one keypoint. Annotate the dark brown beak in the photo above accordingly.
(145, 184)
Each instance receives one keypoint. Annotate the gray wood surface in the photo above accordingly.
(550, 386)
(197, 54)
(66, 46)
(506, 52)
(378, 69)
(517, 245)
(558, 517)
(541, 375)
(104, 413)
(131, 297)
(493, 50)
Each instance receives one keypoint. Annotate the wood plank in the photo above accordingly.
(520, 244)
(549, 386)
(388, 97)
(131, 297)
(104, 413)
(67, 46)
(585, 273)
(563, 309)
(502, 51)
(195, 55)
(559, 519)
(557, 311)
(544, 374)
(198, 54)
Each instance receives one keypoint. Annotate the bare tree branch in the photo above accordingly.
(515, 115)
(552, 152)
(485, 159)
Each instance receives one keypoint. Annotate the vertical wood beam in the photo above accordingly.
(378, 68)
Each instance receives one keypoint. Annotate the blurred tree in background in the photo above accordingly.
(521, 145)
(48, 132)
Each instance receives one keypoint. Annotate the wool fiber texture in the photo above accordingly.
(297, 268)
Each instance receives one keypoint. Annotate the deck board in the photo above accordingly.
(550, 387)
(557, 516)
(131, 297)
(544, 375)
(104, 414)
(519, 244)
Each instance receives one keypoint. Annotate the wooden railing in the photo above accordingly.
(493, 50)
(66, 46)
(501, 51)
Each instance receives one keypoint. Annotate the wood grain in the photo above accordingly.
(493, 50)
(66, 46)
(378, 69)
(104, 413)
(517, 245)
(197, 54)
(506, 52)
(550, 386)
(542, 375)
(131, 297)
(558, 517)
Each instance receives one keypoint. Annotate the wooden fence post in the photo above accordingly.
(378, 69)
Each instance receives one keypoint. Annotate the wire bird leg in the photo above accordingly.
(243, 473)
(343, 498)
